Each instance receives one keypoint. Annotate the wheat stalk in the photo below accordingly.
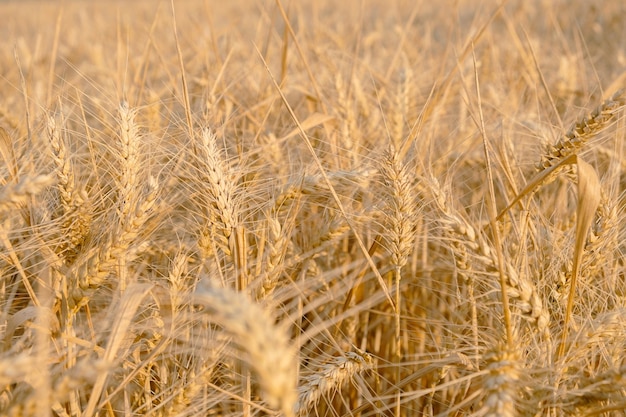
(401, 218)
(129, 304)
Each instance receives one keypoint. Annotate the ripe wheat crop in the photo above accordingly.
(312, 208)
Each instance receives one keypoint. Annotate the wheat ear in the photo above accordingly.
(216, 178)
(267, 345)
(583, 130)
(129, 160)
(401, 210)
(561, 156)
(501, 383)
(277, 244)
(76, 214)
(8, 155)
(401, 105)
(91, 269)
(134, 207)
(330, 378)
(13, 195)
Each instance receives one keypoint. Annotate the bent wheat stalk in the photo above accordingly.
(588, 202)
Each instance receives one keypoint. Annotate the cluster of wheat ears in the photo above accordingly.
(312, 209)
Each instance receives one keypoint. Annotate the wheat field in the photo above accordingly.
(312, 208)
